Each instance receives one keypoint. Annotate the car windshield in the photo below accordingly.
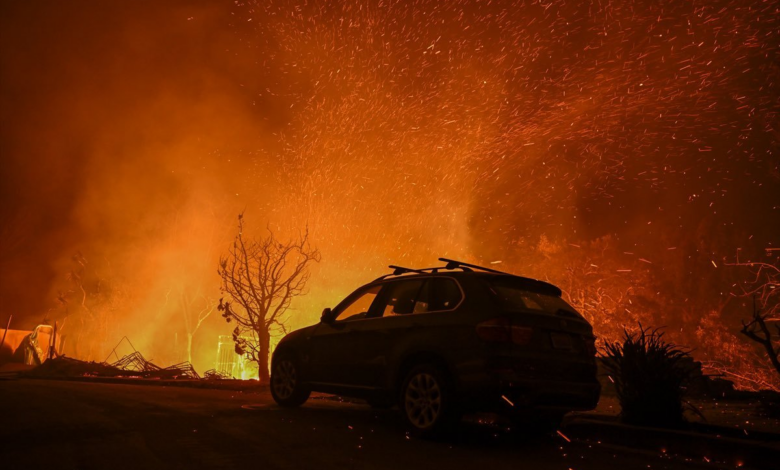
(512, 294)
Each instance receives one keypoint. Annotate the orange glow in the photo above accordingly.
(622, 152)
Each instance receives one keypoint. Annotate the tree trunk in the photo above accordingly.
(262, 357)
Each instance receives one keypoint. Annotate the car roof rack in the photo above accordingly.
(468, 267)
(451, 265)
(398, 270)
(542, 285)
(454, 264)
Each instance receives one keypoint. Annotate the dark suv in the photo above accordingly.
(442, 341)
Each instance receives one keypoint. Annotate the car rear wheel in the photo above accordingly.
(427, 402)
(286, 387)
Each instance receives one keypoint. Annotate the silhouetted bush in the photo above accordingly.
(648, 377)
(769, 404)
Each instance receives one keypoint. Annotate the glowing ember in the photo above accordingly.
(621, 150)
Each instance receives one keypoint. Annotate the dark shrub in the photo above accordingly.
(769, 403)
(648, 377)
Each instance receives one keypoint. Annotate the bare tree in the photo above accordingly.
(261, 277)
(764, 288)
(97, 297)
(195, 309)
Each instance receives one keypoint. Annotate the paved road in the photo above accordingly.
(75, 425)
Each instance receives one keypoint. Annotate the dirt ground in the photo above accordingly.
(76, 425)
(745, 415)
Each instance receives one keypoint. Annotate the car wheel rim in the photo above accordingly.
(422, 400)
(284, 379)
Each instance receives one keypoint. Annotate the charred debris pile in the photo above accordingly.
(131, 365)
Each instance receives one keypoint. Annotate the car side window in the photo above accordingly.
(358, 308)
(422, 304)
(444, 294)
(400, 297)
(420, 296)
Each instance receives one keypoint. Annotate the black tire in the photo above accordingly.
(286, 387)
(427, 402)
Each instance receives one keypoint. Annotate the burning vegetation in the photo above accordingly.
(623, 151)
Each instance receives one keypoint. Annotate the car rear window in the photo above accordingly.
(514, 295)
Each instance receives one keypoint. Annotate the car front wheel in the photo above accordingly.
(286, 387)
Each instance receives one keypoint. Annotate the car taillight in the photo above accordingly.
(500, 330)
(521, 334)
(496, 330)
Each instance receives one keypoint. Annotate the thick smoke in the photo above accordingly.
(635, 137)
(123, 130)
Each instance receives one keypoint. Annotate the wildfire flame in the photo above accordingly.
(623, 151)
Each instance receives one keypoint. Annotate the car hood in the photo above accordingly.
(298, 335)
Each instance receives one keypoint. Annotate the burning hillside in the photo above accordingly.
(626, 152)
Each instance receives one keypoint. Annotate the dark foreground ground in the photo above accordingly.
(73, 425)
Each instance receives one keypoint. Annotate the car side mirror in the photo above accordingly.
(326, 316)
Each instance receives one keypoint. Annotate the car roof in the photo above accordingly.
(525, 283)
